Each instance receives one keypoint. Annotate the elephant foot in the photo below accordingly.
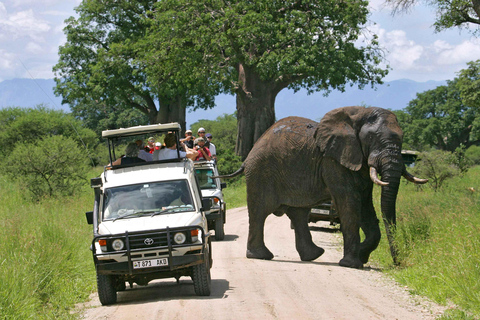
(312, 254)
(260, 253)
(351, 263)
(364, 256)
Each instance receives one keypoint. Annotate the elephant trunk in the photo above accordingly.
(390, 169)
(388, 202)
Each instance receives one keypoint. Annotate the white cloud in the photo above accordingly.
(24, 24)
(33, 47)
(447, 54)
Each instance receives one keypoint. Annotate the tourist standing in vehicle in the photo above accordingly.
(170, 149)
(189, 139)
(201, 134)
(203, 152)
(211, 146)
(150, 145)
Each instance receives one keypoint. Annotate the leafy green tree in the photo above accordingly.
(437, 166)
(97, 73)
(52, 166)
(255, 49)
(24, 127)
(450, 13)
(440, 118)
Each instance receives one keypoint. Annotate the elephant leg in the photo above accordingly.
(256, 248)
(350, 226)
(370, 226)
(303, 238)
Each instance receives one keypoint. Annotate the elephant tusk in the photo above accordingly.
(373, 176)
(412, 178)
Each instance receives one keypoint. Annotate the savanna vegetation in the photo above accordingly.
(123, 64)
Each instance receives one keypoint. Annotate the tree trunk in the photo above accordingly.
(171, 110)
(255, 108)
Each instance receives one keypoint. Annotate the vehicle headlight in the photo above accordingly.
(179, 238)
(117, 244)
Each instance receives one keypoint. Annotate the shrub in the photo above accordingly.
(473, 154)
(53, 166)
(437, 166)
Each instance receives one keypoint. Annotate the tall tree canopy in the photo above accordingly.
(97, 73)
(445, 117)
(257, 48)
(450, 13)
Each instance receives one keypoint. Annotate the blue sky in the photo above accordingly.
(31, 32)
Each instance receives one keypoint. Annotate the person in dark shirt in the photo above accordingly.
(131, 155)
(188, 140)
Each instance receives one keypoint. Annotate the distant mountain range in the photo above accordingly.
(391, 95)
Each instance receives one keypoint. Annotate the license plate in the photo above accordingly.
(322, 211)
(150, 263)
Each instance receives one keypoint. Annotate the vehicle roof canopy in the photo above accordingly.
(132, 131)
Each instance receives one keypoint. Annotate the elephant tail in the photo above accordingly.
(231, 175)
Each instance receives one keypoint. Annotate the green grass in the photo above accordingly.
(46, 266)
(438, 234)
(235, 194)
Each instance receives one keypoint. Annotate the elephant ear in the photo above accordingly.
(337, 138)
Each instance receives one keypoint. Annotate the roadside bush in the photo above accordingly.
(22, 127)
(473, 154)
(437, 166)
(53, 166)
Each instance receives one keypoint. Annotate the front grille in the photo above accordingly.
(145, 241)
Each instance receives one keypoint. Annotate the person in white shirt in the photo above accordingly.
(169, 151)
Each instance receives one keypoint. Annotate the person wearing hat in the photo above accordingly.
(150, 145)
(201, 134)
(211, 146)
(188, 140)
(203, 152)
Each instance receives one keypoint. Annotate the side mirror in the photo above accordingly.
(206, 204)
(223, 185)
(89, 216)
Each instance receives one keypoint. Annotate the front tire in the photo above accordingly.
(201, 276)
(107, 292)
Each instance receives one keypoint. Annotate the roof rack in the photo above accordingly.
(125, 132)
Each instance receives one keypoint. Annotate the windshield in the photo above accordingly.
(204, 179)
(147, 199)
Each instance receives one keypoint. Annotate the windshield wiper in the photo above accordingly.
(132, 214)
(154, 213)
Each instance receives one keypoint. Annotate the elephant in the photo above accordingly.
(298, 164)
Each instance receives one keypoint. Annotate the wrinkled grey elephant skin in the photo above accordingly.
(299, 163)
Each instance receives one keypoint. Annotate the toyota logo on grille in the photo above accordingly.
(148, 241)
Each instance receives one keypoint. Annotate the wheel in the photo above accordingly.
(219, 228)
(201, 276)
(107, 292)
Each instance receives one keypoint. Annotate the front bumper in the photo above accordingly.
(178, 256)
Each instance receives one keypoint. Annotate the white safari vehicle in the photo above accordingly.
(148, 220)
(212, 188)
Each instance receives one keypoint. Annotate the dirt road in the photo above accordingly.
(283, 288)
